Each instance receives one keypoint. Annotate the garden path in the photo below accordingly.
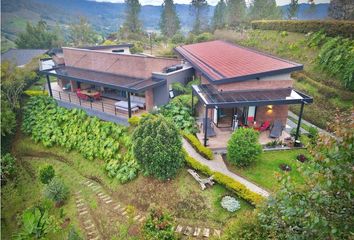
(218, 165)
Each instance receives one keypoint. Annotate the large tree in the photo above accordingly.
(132, 23)
(341, 9)
(37, 36)
(157, 147)
(293, 9)
(265, 9)
(199, 10)
(219, 18)
(236, 12)
(169, 22)
(81, 33)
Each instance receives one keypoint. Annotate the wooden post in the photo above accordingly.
(49, 86)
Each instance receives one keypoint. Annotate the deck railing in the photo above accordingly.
(102, 105)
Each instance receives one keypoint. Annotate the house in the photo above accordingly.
(110, 82)
(20, 57)
(240, 87)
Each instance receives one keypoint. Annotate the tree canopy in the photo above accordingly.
(157, 147)
(293, 9)
(199, 9)
(169, 22)
(81, 33)
(37, 36)
(265, 9)
(236, 12)
(219, 17)
(132, 22)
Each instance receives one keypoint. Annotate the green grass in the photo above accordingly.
(265, 171)
(182, 196)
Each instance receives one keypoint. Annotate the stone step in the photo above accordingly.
(80, 204)
(90, 184)
(217, 233)
(90, 227)
(96, 238)
(206, 232)
(116, 207)
(179, 229)
(136, 217)
(124, 213)
(100, 194)
(83, 213)
(82, 209)
(87, 222)
(109, 201)
(142, 219)
(188, 231)
(196, 232)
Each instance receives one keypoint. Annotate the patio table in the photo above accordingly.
(123, 105)
(90, 93)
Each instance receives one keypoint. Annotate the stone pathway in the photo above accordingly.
(218, 165)
(110, 202)
(197, 231)
(85, 218)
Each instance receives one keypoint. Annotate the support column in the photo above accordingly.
(192, 103)
(129, 106)
(299, 121)
(49, 86)
(206, 126)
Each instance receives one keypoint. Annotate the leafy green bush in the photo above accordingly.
(73, 129)
(138, 47)
(73, 235)
(243, 147)
(203, 37)
(46, 174)
(157, 147)
(36, 224)
(238, 188)
(180, 115)
(134, 121)
(8, 118)
(178, 88)
(159, 225)
(230, 204)
(178, 38)
(330, 27)
(200, 148)
(56, 190)
(8, 167)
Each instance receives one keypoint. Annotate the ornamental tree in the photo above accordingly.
(243, 147)
(157, 147)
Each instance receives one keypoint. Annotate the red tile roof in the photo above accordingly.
(225, 62)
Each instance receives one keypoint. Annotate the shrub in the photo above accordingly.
(134, 121)
(178, 38)
(200, 148)
(159, 225)
(302, 158)
(157, 146)
(230, 204)
(238, 188)
(203, 37)
(313, 132)
(73, 234)
(330, 27)
(138, 47)
(8, 167)
(293, 132)
(185, 100)
(46, 174)
(243, 147)
(36, 224)
(56, 190)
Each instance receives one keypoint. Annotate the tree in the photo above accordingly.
(169, 22)
(132, 23)
(293, 9)
(8, 118)
(243, 147)
(236, 12)
(265, 9)
(56, 190)
(219, 18)
(159, 225)
(37, 36)
(81, 33)
(157, 147)
(46, 174)
(199, 9)
(8, 167)
(13, 81)
(341, 9)
(322, 207)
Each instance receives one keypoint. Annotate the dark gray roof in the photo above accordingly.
(21, 56)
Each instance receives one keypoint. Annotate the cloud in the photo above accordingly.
(211, 2)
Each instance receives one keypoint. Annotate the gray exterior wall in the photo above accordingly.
(161, 93)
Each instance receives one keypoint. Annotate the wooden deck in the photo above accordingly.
(219, 142)
(105, 105)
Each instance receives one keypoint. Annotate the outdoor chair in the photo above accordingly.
(97, 96)
(82, 96)
(210, 128)
(276, 129)
(264, 126)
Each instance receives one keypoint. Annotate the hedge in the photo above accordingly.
(330, 27)
(196, 144)
(240, 190)
(35, 93)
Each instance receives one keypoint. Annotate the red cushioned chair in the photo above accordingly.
(97, 96)
(82, 96)
(264, 126)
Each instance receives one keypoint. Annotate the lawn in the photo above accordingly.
(182, 196)
(265, 171)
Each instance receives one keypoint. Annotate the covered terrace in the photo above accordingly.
(211, 98)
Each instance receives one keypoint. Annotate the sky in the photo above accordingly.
(211, 2)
